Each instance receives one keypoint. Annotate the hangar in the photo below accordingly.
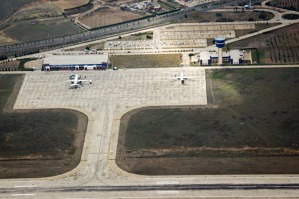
(75, 62)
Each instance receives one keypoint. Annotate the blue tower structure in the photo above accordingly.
(220, 43)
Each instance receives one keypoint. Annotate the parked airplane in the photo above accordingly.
(182, 78)
(77, 81)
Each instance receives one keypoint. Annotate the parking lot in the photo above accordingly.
(126, 45)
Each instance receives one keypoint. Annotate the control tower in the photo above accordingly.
(220, 42)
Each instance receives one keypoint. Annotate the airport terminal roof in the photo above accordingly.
(75, 59)
(236, 54)
(205, 55)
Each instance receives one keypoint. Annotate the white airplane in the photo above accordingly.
(182, 78)
(76, 81)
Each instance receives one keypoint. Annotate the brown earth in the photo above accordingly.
(9, 65)
(40, 164)
(107, 16)
(68, 4)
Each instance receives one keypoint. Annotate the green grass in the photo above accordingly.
(261, 54)
(254, 55)
(218, 74)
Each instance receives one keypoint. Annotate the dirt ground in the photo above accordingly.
(276, 47)
(32, 147)
(249, 127)
(12, 65)
(34, 64)
(106, 16)
(68, 4)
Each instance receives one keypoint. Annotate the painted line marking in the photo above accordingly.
(24, 194)
(21, 181)
(168, 192)
(25, 186)
(166, 178)
(168, 182)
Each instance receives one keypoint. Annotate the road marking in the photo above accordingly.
(21, 181)
(24, 194)
(168, 192)
(166, 178)
(168, 182)
(25, 186)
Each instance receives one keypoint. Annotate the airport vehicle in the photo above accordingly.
(182, 78)
(77, 81)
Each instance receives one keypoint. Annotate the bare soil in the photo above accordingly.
(106, 16)
(31, 146)
(68, 4)
(11, 65)
(249, 127)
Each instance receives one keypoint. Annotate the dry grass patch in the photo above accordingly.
(68, 4)
(146, 61)
(107, 16)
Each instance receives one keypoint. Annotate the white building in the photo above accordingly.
(233, 57)
(75, 62)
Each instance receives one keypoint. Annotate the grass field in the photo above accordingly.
(148, 61)
(29, 138)
(43, 29)
(250, 126)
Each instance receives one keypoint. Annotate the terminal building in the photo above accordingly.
(233, 57)
(75, 62)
